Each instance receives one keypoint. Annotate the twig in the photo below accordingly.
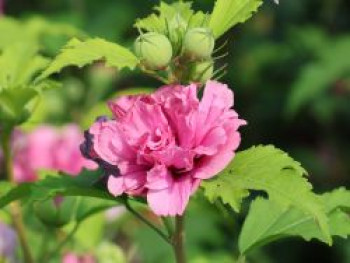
(15, 209)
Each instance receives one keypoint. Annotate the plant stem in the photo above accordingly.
(144, 220)
(15, 209)
(178, 240)
(167, 221)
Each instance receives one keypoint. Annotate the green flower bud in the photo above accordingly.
(198, 43)
(55, 212)
(201, 71)
(154, 50)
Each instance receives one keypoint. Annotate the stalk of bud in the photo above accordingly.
(154, 50)
(201, 71)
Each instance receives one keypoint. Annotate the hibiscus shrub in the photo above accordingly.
(156, 154)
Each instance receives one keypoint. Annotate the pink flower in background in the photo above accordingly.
(164, 144)
(48, 148)
(8, 243)
(74, 258)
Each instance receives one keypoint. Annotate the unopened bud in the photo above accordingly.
(154, 50)
(55, 212)
(199, 43)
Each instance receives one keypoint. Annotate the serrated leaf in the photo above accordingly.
(81, 53)
(268, 169)
(267, 221)
(228, 13)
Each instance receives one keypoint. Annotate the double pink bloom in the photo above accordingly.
(48, 148)
(165, 143)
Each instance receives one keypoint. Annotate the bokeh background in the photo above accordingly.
(289, 67)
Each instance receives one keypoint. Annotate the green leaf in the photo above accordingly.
(32, 30)
(267, 221)
(14, 193)
(317, 77)
(171, 17)
(14, 108)
(228, 13)
(265, 168)
(19, 63)
(81, 53)
(52, 186)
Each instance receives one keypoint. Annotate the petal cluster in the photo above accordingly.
(48, 148)
(162, 145)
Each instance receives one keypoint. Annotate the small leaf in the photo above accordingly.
(268, 169)
(81, 53)
(228, 13)
(267, 221)
(178, 14)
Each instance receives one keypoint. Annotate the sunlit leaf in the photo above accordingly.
(81, 53)
(268, 221)
(268, 169)
(228, 13)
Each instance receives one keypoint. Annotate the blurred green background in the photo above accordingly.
(289, 67)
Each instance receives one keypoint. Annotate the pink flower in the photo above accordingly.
(73, 258)
(48, 148)
(164, 144)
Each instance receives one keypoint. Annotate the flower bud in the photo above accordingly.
(154, 50)
(198, 43)
(201, 71)
(55, 212)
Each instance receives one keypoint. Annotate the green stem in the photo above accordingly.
(168, 225)
(178, 240)
(148, 223)
(15, 208)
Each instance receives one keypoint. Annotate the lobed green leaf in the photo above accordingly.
(265, 168)
(228, 13)
(268, 221)
(81, 53)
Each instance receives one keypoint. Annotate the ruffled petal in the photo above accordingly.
(171, 200)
